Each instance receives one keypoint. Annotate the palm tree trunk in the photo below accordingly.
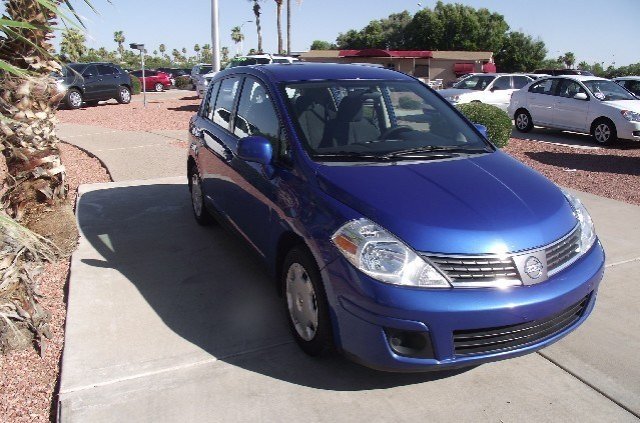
(279, 24)
(256, 12)
(289, 27)
(27, 104)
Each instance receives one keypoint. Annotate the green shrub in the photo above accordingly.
(136, 86)
(497, 121)
(409, 103)
(183, 82)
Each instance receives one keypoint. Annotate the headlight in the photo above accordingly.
(377, 253)
(631, 116)
(587, 230)
(453, 98)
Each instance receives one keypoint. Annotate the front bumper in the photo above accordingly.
(628, 130)
(363, 309)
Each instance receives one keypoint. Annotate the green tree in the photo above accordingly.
(520, 53)
(256, 12)
(206, 53)
(456, 27)
(322, 45)
(162, 49)
(387, 33)
(224, 52)
(568, 59)
(237, 36)
(196, 48)
(549, 63)
(118, 37)
(184, 50)
(72, 44)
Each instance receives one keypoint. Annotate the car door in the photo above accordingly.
(499, 93)
(217, 142)
(541, 101)
(252, 195)
(92, 84)
(109, 80)
(569, 112)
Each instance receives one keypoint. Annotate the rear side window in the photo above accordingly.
(502, 83)
(546, 86)
(211, 100)
(106, 70)
(90, 71)
(221, 113)
(256, 113)
(633, 86)
(520, 81)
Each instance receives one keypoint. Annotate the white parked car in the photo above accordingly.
(578, 103)
(490, 88)
(198, 73)
(632, 83)
(254, 59)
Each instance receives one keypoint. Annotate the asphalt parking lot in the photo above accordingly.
(171, 321)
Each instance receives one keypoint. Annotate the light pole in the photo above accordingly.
(140, 47)
(215, 37)
(242, 40)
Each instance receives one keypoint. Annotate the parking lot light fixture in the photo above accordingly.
(140, 47)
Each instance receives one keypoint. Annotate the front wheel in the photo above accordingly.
(158, 87)
(604, 132)
(523, 121)
(74, 99)
(306, 303)
(124, 95)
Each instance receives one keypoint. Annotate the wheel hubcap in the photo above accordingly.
(602, 132)
(301, 301)
(196, 194)
(125, 95)
(522, 121)
(76, 99)
(158, 87)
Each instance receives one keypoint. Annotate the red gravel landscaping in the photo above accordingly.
(612, 172)
(160, 114)
(27, 381)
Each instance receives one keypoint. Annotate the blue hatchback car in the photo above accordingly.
(397, 233)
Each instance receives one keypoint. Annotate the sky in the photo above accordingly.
(594, 30)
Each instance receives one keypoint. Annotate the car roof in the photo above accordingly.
(626, 78)
(301, 71)
(578, 77)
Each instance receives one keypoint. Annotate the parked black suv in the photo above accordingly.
(555, 72)
(93, 82)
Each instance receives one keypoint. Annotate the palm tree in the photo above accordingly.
(279, 23)
(568, 59)
(206, 53)
(72, 44)
(118, 37)
(257, 13)
(196, 48)
(289, 24)
(237, 36)
(162, 49)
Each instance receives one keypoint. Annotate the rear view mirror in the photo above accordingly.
(255, 149)
(581, 96)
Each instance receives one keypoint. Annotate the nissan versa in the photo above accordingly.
(397, 232)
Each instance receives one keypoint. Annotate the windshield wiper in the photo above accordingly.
(427, 150)
(347, 155)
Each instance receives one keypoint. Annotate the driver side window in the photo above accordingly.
(502, 83)
(256, 114)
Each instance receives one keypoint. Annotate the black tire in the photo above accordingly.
(523, 121)
(73, 99)
(603, 131)
(320, 342)
(198, 206)
(158, 87)
(124, 95)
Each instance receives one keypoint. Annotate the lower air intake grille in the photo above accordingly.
(483, 341)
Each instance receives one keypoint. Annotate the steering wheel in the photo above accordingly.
(394, 131)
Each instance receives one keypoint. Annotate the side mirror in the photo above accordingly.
(581, 96)
(255, 149)
(482, 129)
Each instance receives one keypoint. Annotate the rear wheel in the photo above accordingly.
(306, 303)
(73, 99)
(124, 95)
(604, 132)
(200, 212)
(523, 121)
(158, 87)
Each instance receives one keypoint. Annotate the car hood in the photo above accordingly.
(633, 105)
(486, 204)
(455, 91)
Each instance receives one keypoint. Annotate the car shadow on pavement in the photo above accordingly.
(208, 288)
(571, 139)
(622, 165)
(186, 108)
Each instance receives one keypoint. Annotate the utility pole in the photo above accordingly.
(136, 46)
(215, 38)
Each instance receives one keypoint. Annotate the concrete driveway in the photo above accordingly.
(168, 321)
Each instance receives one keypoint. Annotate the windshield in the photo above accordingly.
(205, 69)
(475, 82)
(377, 119)
(247, 61)
(606, 90)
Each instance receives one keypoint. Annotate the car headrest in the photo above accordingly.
(350, 109)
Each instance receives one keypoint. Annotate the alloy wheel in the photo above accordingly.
(158, 87)
(196, 194)
(75, 98)
(522, 121)
(302, 302)
(602, 133)
(125, 95)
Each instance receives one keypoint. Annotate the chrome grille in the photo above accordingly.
(562, 252)
(476, 271)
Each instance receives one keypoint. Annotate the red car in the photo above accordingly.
(153, 80)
